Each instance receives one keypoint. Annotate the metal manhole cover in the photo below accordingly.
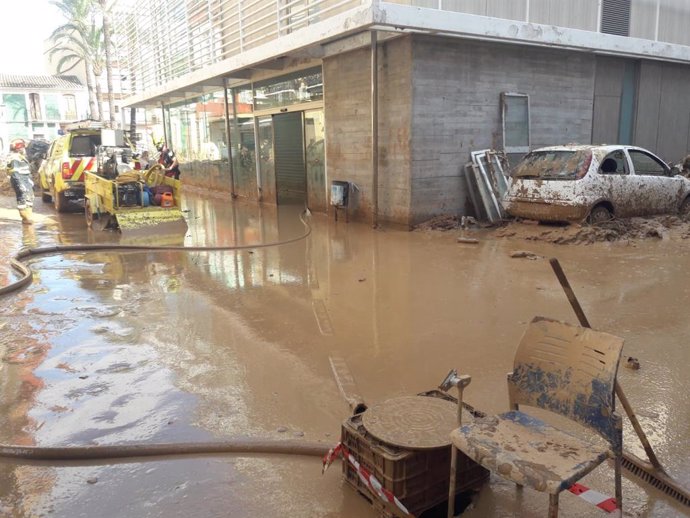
(413, 422)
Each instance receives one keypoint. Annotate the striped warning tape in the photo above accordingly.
(600, 500)
(340, 450)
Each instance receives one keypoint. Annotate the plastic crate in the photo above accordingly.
(418, 478)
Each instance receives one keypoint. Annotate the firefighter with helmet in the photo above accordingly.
(20, 178)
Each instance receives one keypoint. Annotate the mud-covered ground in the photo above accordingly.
(111, 348)
(627, 230)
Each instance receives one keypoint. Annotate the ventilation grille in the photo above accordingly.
(615, 17)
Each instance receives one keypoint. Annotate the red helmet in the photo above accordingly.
(17, 145)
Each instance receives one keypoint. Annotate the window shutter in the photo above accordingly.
(615, 17)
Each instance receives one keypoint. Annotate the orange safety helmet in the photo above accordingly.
(17, 145)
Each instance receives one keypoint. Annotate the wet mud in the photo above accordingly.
(617, 230)
(110, 348)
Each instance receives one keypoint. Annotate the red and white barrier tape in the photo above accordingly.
(340, 450)
(600, 500)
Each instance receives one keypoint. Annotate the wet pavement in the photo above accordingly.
(107, 348)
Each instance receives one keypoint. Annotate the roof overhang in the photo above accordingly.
(348, 30)
(406, 18)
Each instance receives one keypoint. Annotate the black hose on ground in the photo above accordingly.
(27, 253)
(104, 453)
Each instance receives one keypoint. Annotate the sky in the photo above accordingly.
(25, 26)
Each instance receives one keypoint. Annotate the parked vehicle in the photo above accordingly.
(594, 183)
(62, 173)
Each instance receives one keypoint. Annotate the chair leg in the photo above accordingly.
(553, 506)
(618, 461)
(451, 485)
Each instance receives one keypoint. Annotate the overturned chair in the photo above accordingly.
(567, 370)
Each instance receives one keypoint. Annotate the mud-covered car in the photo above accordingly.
(594, 183)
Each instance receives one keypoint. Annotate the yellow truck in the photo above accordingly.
(134, 200)
(69, 157)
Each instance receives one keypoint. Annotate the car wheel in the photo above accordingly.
(599, 214)
(684, 210)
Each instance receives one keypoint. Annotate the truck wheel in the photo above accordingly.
(599, 214)
(95, 220)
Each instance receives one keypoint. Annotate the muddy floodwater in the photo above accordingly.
(112, 348)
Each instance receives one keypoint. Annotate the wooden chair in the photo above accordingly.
(565, 369)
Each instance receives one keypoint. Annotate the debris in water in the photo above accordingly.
(362, 279)
(282, 429)
(440, 223)
(632, 363)
(525, 254)
(92, 480)
(468, 240)
(299, 434)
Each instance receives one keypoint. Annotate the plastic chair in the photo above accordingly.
(567, 370)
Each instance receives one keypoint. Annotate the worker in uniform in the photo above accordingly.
(169, 161)
(20, 178)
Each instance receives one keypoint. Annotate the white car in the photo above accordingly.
(594, 183)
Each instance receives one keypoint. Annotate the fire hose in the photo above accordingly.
(26, 274)
(104, 453)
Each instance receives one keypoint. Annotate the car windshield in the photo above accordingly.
(84, 145)
(554, 165)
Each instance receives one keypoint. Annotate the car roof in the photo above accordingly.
(605, 148)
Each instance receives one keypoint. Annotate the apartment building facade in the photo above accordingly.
(38, 106)
(274, 101)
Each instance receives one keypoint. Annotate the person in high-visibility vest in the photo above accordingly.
(20, 178)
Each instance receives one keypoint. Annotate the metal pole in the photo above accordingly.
(622, 398)
(165, 125)
(374, 130)
(228, 141)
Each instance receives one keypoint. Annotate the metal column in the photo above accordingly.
(374, 130)
(165, 125)
(228, 141)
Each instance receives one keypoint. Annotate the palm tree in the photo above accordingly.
(76, 44)
(105, 13)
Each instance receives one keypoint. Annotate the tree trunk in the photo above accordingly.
(108, 60)
(99, 96)
(94, 112)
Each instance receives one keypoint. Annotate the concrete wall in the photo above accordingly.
(456, 110)
(662, 106)
(607, 100)
(662, 122)
(347, 89)
(206, 174)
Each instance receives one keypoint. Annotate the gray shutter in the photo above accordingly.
(291, 175)
(615, 17)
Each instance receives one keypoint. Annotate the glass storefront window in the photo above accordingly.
(197, 128)
(301, 87)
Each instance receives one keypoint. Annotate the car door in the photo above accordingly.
(617, 185)
(659, 191)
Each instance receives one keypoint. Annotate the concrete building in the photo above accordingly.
(394, 96)
(38, 106)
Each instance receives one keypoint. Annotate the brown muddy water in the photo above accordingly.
(109, 348)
